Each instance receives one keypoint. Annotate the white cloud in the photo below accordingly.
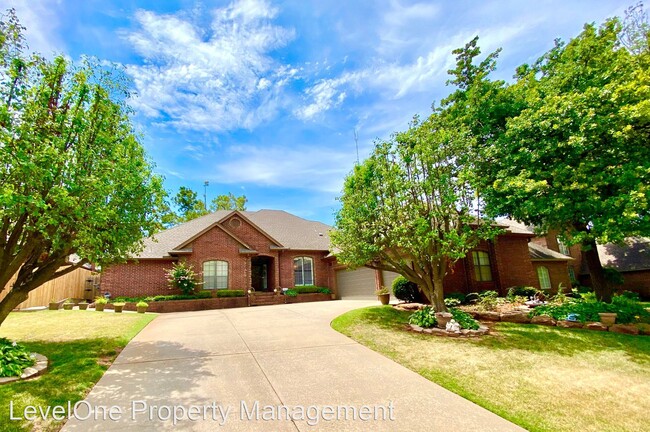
(299, 167)
(40, 18)
(213, 79)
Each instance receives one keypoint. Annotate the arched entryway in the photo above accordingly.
(262, 273)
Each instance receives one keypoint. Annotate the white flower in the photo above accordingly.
(14, 344)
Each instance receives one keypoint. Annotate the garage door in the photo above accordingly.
(356, 284)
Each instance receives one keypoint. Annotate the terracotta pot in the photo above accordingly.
(118, 308)
(384, 298)
(83, 306)
(443, 318)
(54, 306)
(67, 306)
(607, 318)
(142, 309)
(99, 307)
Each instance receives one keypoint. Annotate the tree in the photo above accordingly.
(575, 157)
(229, 202)
(189, 205)
(73, 177)
(409, 208)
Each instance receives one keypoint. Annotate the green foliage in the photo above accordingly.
(456, 295)
(409, 207)
(452, 302)
(119, 304)
(382, 291)
(74, 176)
(488, 300)
(142, 304)
(101, 300)
(229, 202)
(613, 276)
(182, 277)
(308, 289)
(424, 317)
(325, 291)
(464, 319)
(631, 295)
(291, 293)
(199, 295)
(14, 358)
(405, 290)
(231, 293)
(627, 310)
(522, 291)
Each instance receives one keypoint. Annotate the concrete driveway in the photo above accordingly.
(251, 369)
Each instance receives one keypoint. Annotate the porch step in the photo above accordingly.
(263, 299)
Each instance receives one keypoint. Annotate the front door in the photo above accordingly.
(261, 273)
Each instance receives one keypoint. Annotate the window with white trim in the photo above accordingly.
(215, 275)
(544, 278)
(303, 271)
(564, 249)
(572, 274)
(482, 269)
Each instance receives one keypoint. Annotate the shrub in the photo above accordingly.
(522, 291)
(325, 291)
(488, 300)
(14, 358)
(627, 310)
(452, 302)
(231, 293)
(472, 298)
(464, 319)
(199, 295)
(307, 289)
(142, 304)
(456, 295)
(405, 290)
(182, 276)
(291, 293)
(631, 295)
(424, 317)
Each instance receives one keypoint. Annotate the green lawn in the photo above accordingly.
(80, 346)
(541, 378)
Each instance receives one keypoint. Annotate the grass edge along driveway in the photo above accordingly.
(80, 346)
(540, 378)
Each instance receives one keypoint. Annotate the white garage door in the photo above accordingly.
(389, 277)
(356, 284)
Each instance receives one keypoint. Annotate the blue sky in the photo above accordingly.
(262, 98)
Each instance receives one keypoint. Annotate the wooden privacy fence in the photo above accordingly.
(71, 285)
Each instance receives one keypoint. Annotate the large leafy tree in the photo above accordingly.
(189, 205)
(229, 202)
(409, 208)
(73, 177)
(575, 152)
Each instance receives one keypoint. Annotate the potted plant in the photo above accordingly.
(607, 318)
(118, 307)
(54, 305)
(83, 306)
(67, 305)
(383, 295)
(100, 304)
(142, 306)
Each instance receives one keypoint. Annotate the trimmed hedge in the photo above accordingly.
(231, 293)
(405, 290)
(308, 289)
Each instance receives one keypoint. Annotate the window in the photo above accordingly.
(303, 271)
(544, 278)
(564, 250)
(572, 274)
(215, 275)
(482, 270)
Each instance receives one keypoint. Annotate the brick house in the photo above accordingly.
(266, 249)
(269, 249)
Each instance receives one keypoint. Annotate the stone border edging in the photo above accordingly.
(482, 330)
(30, 372)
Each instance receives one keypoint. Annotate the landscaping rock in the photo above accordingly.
(515, 317)
(488, 316)
(416, 328)
(596, 326)
(625, 329)
(644, 328)
(570, 324)
(473, 314)
(409, 306)
(543, 320)
(483, 330)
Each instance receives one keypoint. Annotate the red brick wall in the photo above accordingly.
(513, 262)
(558, 273)
(143, 278)
(323, 269)
(635, 281)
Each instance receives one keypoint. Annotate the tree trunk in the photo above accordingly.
(438, 298)
(602, 288)
(10, 302)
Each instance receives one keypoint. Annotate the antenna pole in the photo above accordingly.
(356, 143)
(205, 194)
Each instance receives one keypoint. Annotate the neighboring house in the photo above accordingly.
(270, 249)
(266, 249)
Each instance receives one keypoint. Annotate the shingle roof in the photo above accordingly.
(541, 253)
(290, 231)
(633, 255)
(516, 227)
